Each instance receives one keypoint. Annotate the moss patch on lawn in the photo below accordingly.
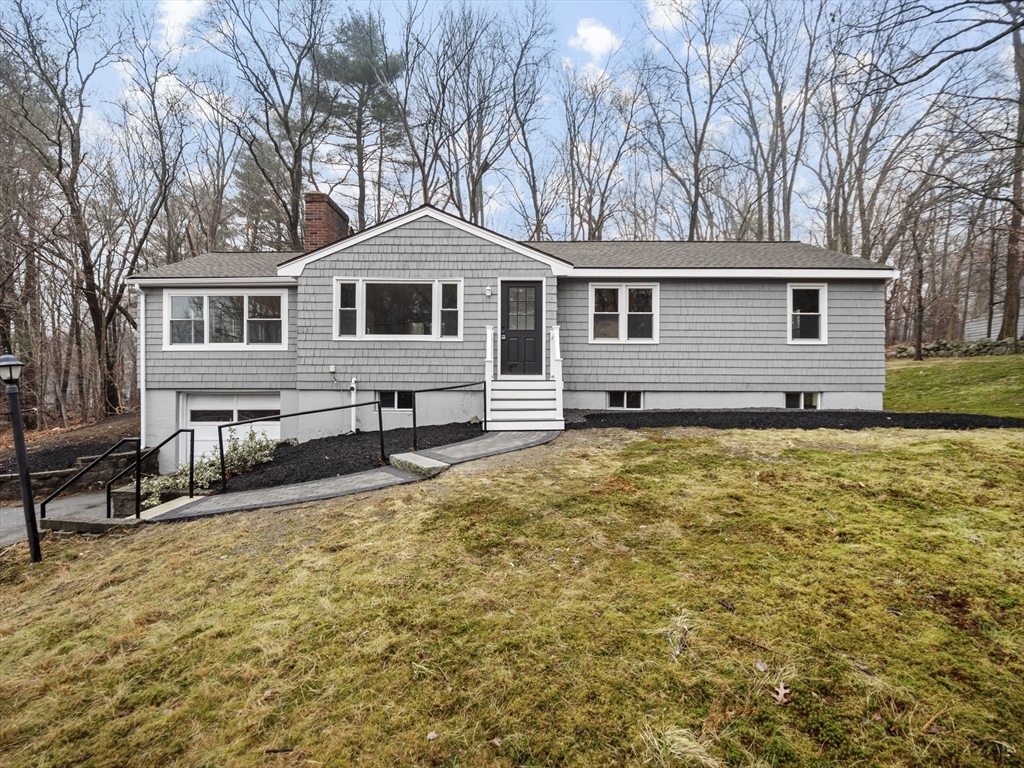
(990, 386)
(672, 597)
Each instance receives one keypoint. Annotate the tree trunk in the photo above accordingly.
(1011, 302)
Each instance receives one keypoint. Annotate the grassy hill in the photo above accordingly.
(991, 386)
(676, 597)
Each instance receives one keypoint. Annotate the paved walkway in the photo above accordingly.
(12, 518)
(90, 508)
(489, 444)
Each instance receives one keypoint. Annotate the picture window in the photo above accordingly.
(429, 310)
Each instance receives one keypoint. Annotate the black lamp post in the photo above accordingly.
(10, 372)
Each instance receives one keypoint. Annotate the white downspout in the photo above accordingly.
(352, 411)
(142, 364)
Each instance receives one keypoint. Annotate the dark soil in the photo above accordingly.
(343, 455)
(785, 419)
(60, 448)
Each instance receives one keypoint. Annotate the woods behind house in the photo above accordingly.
(891, 130)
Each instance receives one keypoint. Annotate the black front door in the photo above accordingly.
(522, 326)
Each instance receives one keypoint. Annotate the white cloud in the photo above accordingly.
(174, 18)
(594, 38)
(666, 14)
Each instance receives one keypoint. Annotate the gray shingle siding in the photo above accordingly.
(422, 249)
(730, 335)
(197, 369)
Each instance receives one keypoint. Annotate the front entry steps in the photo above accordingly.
(523, 405)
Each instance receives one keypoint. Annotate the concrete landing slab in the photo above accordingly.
(424, 466)
(168, 506)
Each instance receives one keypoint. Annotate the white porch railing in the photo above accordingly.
(488, 372)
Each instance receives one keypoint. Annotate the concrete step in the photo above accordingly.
(423, 466)
(526, 425)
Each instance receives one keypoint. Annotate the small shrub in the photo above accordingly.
(239, 456)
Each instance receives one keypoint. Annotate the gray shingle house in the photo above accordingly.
(428, 300)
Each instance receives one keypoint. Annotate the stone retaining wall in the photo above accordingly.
(942, 348)
(45, 483)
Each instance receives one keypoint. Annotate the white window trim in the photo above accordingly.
(435, 321)
(822, 305)
(207, 345)
(624, 312)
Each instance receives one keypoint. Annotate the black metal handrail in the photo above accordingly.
(138, 475)
(229, 425)
(415, 445)
(97, 460)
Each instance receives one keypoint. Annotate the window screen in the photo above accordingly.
(606, 313)
(449, 309)
(187, 322)
(640, 319)
(346, 309)
(806, 320)
(264, 323)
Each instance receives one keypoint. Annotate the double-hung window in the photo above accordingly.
(225, 320)
(624, 313)
(808, 313)
(392, 309)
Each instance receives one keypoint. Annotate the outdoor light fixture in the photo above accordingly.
(10, 372)
(10, 369)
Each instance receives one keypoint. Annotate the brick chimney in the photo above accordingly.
(325, 222)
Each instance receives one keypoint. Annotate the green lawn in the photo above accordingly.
(612, 598)
(992, 386)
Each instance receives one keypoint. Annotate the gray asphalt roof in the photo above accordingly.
(680, 255)
(586, 255)
(222, 264)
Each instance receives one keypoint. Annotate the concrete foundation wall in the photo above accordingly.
(597, 400)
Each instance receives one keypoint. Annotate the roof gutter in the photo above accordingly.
(207, 282)
(619, 273)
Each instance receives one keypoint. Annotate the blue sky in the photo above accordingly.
(585, 30)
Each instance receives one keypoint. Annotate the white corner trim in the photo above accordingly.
(295, 267)
(822, 310)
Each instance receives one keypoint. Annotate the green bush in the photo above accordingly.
(239, 456)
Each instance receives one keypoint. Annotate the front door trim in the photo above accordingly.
(544, 330)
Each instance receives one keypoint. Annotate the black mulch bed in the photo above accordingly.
(784, 419)
(343, 455)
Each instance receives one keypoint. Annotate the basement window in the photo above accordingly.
(626, 400)
(395, 400)
(807, 401)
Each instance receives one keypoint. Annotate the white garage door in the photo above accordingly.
(204, 413)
